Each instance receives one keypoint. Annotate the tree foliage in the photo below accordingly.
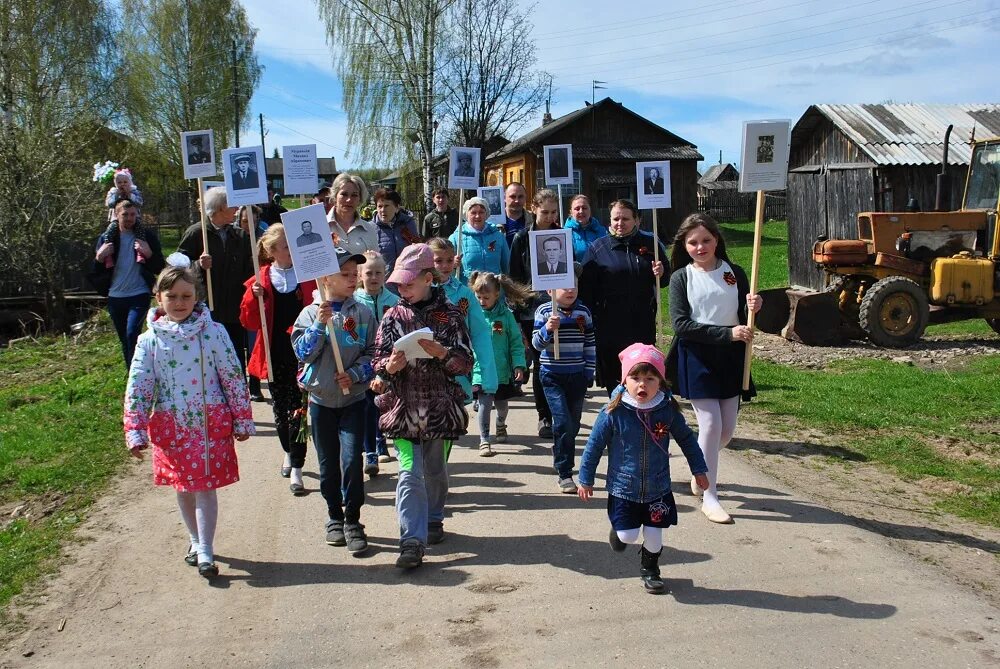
(56, 71)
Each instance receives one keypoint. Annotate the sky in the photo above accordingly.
(698, 69)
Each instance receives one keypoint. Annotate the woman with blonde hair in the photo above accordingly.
(351, 232)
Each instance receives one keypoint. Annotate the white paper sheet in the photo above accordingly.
(410, 347)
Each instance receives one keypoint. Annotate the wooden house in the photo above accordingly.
(847, 159)
(608, 140)
(276, 174)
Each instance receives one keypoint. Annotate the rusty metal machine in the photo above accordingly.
(907, 269)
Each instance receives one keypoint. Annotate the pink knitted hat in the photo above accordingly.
(637, 353)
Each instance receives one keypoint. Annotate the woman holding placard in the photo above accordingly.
(284, 299)
(619, 285)
(709, 303)
(483, 247)
(350, 231)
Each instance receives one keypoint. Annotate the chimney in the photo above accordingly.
(546, 119)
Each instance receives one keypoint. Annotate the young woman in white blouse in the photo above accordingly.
(709, 302)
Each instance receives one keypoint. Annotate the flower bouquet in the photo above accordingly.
(105, 173)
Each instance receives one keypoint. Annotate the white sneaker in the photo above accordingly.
(695, 488)
(485, 451)
(716, 514)
(567, 486)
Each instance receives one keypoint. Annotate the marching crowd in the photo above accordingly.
(188, 399)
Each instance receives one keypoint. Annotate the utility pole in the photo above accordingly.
(236, 98)
(262, 136)
(594, 87)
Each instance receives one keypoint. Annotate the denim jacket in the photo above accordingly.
(638, 462)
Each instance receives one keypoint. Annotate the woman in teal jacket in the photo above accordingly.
(586, 229)
(483, 247)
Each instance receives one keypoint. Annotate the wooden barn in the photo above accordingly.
(847, 159)
(608, 140)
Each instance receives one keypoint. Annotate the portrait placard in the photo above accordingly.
(653, 181)
(246, 180)
(551, 253)
(558, 164)
(300, 170)
(198, 154)
(498, 207)
(310, 242)
(764, 164)
(463, 168)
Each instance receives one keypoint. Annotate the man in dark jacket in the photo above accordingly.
(442, 220)
(125, 266)
(228, 259)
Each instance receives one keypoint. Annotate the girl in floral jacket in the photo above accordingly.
(186, 396)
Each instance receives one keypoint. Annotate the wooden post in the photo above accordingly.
(656, 258)
(555, 335)
(562, 218)
(754, 274)
(204, 243)
(251, 228)
(333, 336)
(302, 200)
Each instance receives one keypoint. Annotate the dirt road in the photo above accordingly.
(524, 578)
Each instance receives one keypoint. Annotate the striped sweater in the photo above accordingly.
(577, 345)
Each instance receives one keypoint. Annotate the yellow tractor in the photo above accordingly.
(907, 269)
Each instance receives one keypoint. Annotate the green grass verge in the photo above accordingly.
(60, 443)
(918, 423)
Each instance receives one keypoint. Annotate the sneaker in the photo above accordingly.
(567, 485)
(485, 450)
(357, 541)
(545, 428)
(411, 555)
(501, 433)
(371, 464)
(695, 489)
(617, 545)
(715, 513)
(435, 533)
(335, 533)
(384, 457)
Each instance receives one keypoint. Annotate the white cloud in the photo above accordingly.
(291, 32)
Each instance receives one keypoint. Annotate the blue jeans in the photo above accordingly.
(128, 315)
(337, 436)
(374, 439)
(422, 487)
(565, 394)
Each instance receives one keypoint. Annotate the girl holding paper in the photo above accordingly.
(284, 299)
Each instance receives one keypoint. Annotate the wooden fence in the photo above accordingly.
(732, 205)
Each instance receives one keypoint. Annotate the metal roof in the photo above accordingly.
(637, 152)
(907, 134)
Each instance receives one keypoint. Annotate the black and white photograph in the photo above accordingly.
(764, 159)
(653, 184)
(765, 149)
(494, 196)
(463, 168)
(313, 253)
(198, 149)
(246, 183)
(558, 164)
(551, 259)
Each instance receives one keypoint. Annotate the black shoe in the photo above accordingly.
(411, 555)
(650, 571)
(335, 533)
(357, 542)
(286, 472)
(371, 464)
(192, 557)
(545, 428)
(435, 533)
(297, 489)
(617, 545)
(257, 397)
(208, 569)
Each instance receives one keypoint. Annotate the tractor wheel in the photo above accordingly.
(894, 312)
(994, 323)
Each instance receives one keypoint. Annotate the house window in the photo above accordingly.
(566, 190)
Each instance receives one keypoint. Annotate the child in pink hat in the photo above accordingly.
(635, 427)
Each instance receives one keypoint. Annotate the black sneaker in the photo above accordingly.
(371, 464)
(335, 533)
(545, 428)
(411, 555)
(208, 569)
(435, 533)
(357, 541)
(617, 545)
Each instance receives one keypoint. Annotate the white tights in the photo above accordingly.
(200, 511)
(716, 425)
(652, 537)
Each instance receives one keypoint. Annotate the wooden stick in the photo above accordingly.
(302, 200)
(204, 243)
(555, 334)
(659, 300)
(562, 218)
(251, 228)
(461, 217)
(758, 227)
(333, 337)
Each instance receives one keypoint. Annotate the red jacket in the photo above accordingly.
(250, 315)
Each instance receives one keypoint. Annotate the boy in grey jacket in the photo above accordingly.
(336, 399)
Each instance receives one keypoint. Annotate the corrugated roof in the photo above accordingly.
(637, 152)
(908, 134)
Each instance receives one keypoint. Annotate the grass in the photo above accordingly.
(60, 444)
